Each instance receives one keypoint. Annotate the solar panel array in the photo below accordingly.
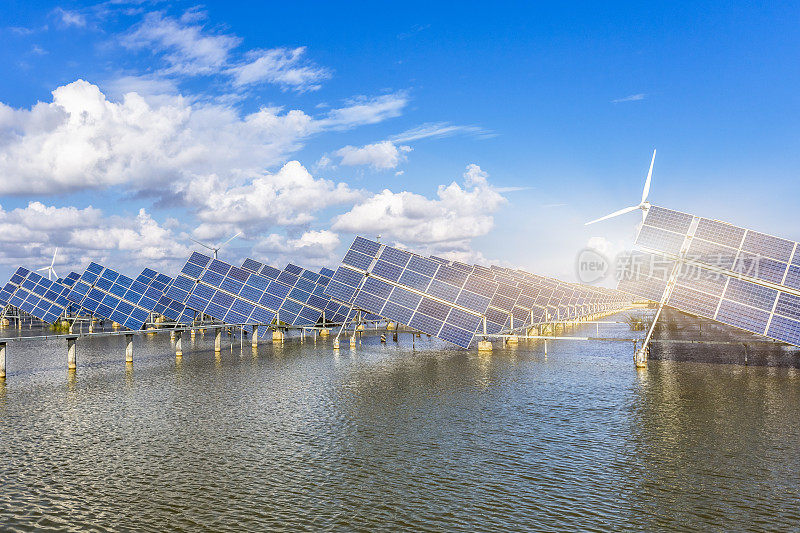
(433, 298)
(36, 295)
(739, 277)
(306, 300)
(226, 292)
(106, 293)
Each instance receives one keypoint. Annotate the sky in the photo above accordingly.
(483, 132)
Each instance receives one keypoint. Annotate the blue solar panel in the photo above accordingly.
(107, 294)
(36, 295)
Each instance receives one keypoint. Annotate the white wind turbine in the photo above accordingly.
(644, 205)
(50, 270)
(216, 248)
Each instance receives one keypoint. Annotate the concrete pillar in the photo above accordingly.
(390, 326)
(4, 322)
(178, 345)
(277, 336)
(513, 339)
(383, 338)
(394, 335)
(254, 339)
(91, 326)
(484, 346)
(360, 327)
(336, 344)
(172, 334)
(72, 358)
(218, 340)
(2, 360)
(192, 334)
(324, 332)
(115, 325)
(72, 327)
(640, 358)
(129, 347)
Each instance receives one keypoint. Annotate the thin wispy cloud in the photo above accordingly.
(630, 98)
(70, 18)
(438, 130)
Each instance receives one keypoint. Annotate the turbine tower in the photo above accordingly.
(50, 270)
(644, 205)
(216, 248)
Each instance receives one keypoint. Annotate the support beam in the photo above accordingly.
(217, 340)
(254, 339)
(484, 346)
(129, 347)
(2, 360)
(72, 356)
(277, 335)
(178, 344)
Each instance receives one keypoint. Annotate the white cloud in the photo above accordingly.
(29, 236)
(289, 197)
(437, 130)
(382, 155)
(186, 47)
(81, 140)
(312, 249)
(70, 18)
(448, 222)
(281, 66)
(629, 98)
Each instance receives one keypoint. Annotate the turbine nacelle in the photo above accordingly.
(644, 205)
(218, 247)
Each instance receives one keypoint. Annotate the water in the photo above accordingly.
(299, 438)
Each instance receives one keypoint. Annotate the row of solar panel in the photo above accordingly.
(721, 245)
(733, 301)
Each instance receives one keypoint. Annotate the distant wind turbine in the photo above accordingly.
(216, 248)
(644, 205)
(50, 270)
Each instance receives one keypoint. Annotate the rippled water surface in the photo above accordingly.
(297, 437)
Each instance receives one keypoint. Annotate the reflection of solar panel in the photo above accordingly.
(305, 301)
(9, 288)
(106, 293)
(446, 302)
(36, 295)
(740, 277)
(226, 292)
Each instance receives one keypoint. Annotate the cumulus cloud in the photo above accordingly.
(382, 155)
(82, 140)
(312, 249)
(281, 66)
(450, 221)
(289, 197)
(29, 236)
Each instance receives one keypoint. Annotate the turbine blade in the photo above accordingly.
(229, 240)
(43, 268)
(54, 272)
(646, 190)
(202, 244)
(53, 262)
(614, 214)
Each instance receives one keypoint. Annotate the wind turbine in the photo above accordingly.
(216, 248)
(644, 205)
(50, 270)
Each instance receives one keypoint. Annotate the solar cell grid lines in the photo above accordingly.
(227, 293)
(305, 300)
(106, 293)
(36, 295)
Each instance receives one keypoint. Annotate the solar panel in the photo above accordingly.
(305, 301)
(8, 289)
(36, 295)
(757, 271)
(399, 286)
(106, 293)
(226, 292)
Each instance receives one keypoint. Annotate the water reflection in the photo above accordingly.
(301, 436)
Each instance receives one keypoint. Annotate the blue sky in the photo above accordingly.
(301, 124)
